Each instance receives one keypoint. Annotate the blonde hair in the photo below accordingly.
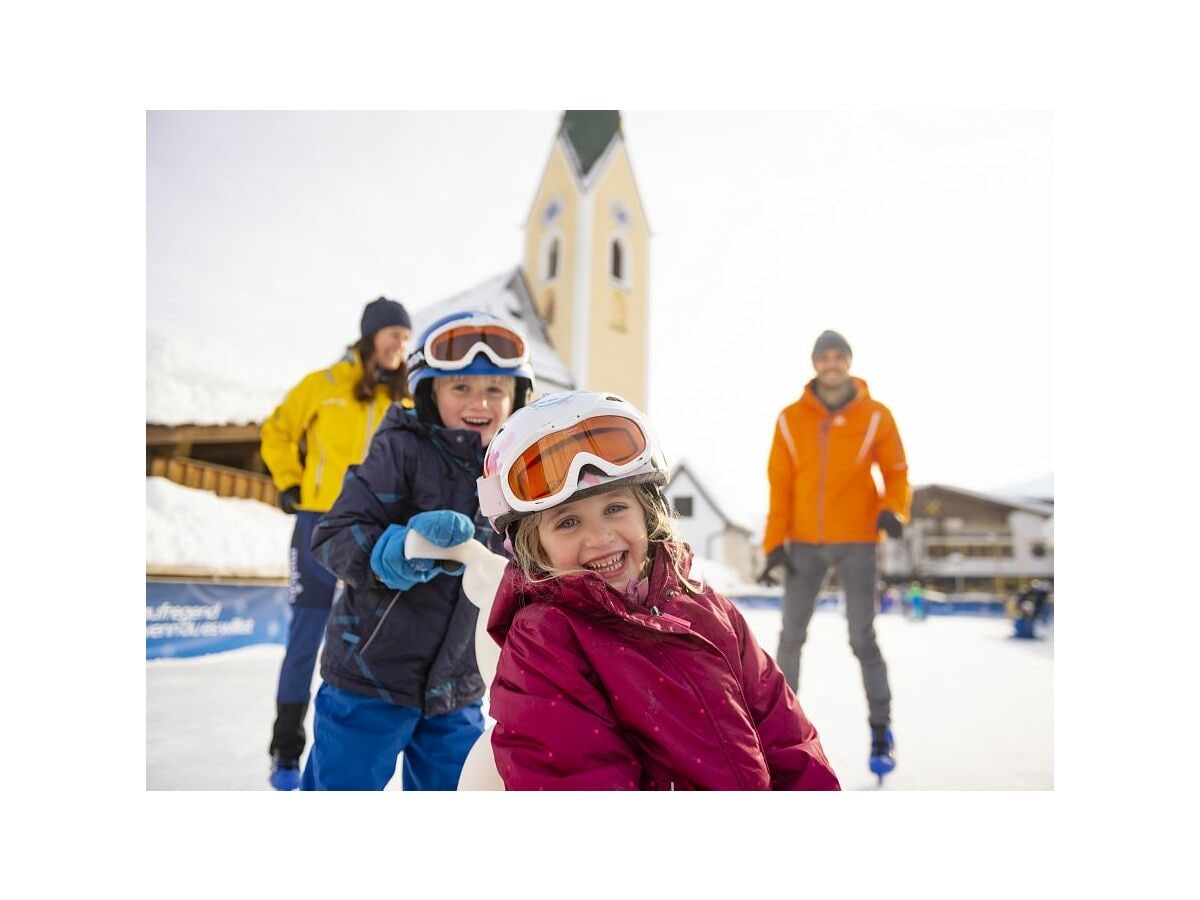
(529, 554)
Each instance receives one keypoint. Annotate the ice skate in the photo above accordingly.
(882, 760)
(285, 774)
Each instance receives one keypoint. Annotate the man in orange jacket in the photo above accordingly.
(826, 511)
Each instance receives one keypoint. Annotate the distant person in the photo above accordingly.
(1030, 609)
(398, 672)
(887, 600)
(916, 601)
(1041, 597)
(1023, 615)
(324, 425)
(826, 511)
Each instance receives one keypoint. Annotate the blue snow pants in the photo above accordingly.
(311, 595)
(356, 740)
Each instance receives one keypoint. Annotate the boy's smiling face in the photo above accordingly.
(604, 533)
(478, 403)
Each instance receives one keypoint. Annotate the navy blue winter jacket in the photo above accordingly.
(413, 648)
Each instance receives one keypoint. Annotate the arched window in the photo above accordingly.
(550, 256)
(619, 262)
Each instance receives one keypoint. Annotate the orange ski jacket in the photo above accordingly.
(822, 489)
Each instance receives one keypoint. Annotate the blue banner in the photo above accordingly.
(185, 618)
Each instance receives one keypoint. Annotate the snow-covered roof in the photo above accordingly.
(507, 295)
(1026, 504)
(197, 381)
(192, 380)
(1038, 489)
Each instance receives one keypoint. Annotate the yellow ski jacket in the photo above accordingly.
(335, 427)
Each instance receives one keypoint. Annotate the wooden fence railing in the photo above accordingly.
(221, 480)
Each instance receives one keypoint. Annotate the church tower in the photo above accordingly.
(587, 256)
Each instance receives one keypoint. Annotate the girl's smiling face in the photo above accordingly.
(604, 533)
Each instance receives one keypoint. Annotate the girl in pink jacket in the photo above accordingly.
(616, 670)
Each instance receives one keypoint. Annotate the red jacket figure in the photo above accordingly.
(599, 690)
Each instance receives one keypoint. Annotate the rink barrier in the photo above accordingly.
(829, 602)
(194, 618)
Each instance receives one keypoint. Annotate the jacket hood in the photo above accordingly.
(583, 591)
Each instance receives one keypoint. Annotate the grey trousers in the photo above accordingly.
(855, 564)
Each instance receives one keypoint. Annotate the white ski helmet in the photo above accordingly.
(566, 446)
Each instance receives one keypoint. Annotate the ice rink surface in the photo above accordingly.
(972, 707)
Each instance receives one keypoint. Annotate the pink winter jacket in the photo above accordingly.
(597, 692)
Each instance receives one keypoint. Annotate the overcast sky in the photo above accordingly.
(922, 237)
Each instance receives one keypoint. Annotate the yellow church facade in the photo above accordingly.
(587, 256)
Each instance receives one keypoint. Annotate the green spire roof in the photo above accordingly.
(590, 131)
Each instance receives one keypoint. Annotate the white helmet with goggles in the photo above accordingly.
(566, 446)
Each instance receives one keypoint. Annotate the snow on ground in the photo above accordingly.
(972, 707)
(728, 581)
(193, 529)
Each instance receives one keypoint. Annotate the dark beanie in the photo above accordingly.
(830, 340)
(383, 313)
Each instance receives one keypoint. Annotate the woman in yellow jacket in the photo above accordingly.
(323, 426)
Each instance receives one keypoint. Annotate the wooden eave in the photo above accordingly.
(167, 435)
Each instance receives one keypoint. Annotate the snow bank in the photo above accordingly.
(197, 530)
(725, 580)
(193, 529)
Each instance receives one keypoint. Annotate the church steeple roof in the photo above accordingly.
(589, 132)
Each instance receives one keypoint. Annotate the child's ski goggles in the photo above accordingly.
(456, 344)
(546, 469)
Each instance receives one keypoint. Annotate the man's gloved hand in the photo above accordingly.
(889, 522)
(289, 499)
(443, 527)
(777, 557)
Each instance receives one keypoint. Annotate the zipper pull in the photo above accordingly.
(654, 611)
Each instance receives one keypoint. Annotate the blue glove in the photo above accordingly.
(443, 527)
(391, 566)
